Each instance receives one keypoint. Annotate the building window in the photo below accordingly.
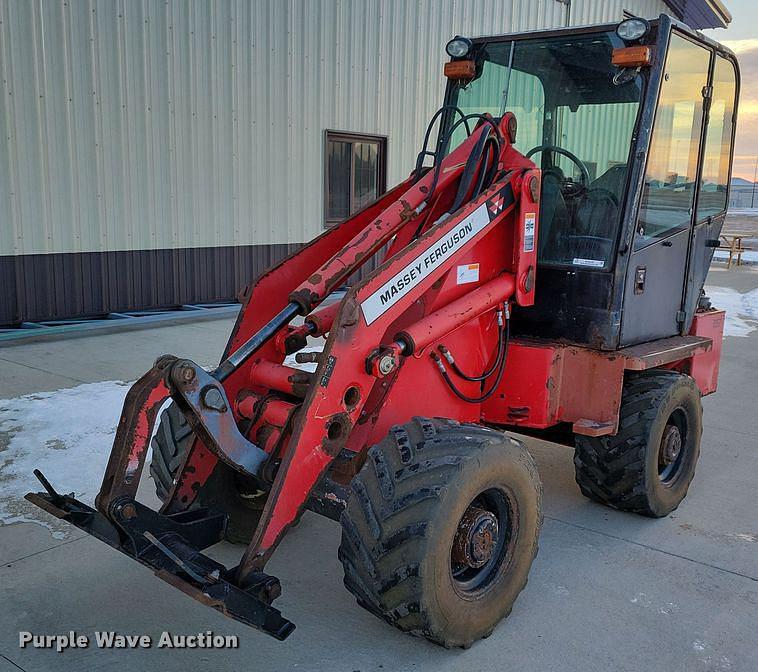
(356, 173)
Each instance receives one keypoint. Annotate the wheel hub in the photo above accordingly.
(476, 538)
(671, 445)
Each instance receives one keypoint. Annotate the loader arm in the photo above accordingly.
(363, 324)
(379, 318)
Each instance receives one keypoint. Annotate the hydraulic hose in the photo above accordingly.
(504, 336)
(500, 347)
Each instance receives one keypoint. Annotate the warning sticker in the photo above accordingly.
(425, 263)
(530, 220)
(592, 263)
(467, 273)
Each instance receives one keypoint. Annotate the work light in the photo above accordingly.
(633, 29)
(458, 47)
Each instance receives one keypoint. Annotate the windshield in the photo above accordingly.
(576, 121)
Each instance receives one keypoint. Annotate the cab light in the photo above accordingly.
(460, 69)
(632, 57)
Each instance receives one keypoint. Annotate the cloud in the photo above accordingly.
(746, 142)
(742, 46)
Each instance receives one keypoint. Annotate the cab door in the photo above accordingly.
(713, 193)
(657, 270)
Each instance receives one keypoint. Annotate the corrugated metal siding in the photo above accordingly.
(146, 124)
(157, 152)
(586, 12)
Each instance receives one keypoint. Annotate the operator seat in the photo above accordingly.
(596, 217)
(612, 180)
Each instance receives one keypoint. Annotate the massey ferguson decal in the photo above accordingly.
(401, 283)
(405, 280)
(502, 200)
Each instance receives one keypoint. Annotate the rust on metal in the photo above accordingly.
(664, 351)
(408, 213)
(593, 428)
(476, 538)
(132, 439)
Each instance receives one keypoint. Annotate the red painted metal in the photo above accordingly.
(269, 410)
(440, 288)
(704, 367)
(457, 313)
(132, 440)
(548, 383)
(323, 317)
(272, 376)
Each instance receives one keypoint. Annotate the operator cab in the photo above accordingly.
(632, 126)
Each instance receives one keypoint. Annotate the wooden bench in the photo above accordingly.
(732, 243)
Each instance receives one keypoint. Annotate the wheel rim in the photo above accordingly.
(672, 447)
(482, 542)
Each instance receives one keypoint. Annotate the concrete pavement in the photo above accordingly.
(608, 591)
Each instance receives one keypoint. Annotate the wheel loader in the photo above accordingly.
(540, 271)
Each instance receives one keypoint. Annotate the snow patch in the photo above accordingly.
(66, 434)
(748, 256)
(741, 309)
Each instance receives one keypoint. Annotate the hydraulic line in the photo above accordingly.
(488, 146)
(424, 151)
(505, 336)
(476, 165)
(478, 379)
(446, 142)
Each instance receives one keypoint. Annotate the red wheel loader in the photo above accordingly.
(544, 276)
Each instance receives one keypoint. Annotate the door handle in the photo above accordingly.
(667, 243)
(639, 279)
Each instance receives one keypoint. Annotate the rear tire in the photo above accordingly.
(648, 465)
(441, 529)
(221, 492)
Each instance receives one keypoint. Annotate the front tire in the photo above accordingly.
(647, 467)
(224, 491)
(441, 529)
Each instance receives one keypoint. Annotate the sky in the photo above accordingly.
(742, 37)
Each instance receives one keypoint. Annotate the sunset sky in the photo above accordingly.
(742, 37)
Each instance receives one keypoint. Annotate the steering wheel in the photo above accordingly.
(585, 181)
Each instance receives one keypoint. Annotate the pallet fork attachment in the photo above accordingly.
(170, 546)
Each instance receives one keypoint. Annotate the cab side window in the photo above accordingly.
(671, 174)
(718, 141)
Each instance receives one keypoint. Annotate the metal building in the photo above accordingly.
(163, 152)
